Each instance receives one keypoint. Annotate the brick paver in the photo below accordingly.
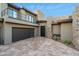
(39, 46)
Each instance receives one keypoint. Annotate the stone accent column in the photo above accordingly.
(37, 31)
(49, 28)
(76, 28)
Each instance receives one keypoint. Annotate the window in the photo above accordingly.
(32, 19)
(27, 18)
(12, 13)
(0, 9)
(23, 16)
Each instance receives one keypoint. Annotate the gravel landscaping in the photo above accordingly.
(39, 46)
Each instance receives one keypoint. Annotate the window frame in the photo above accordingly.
(12, 13)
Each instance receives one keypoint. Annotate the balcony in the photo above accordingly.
(17, 16)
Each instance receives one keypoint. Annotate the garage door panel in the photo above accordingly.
(22, 33)
(0, 35)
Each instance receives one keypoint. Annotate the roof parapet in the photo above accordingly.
(18, 8)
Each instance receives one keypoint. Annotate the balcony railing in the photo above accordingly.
(18, 16)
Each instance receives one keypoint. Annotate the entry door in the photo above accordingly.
(42, 31)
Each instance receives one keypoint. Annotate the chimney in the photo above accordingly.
(40, 15)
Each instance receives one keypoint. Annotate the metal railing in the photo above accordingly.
(3, 12)
(18, 16)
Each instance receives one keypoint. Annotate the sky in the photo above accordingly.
(50, 9)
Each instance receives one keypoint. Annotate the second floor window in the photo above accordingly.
(30, 19)
(0, 9)
(12, 13)
(27, 18)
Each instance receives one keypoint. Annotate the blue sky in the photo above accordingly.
(50, 9)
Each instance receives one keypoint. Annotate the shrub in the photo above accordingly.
(67, 42)
(56, 37)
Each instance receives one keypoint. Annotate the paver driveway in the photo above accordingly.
(39, 46)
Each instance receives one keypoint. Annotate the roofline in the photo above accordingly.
(65, 21)
(18, 8)
(14, 6)
(41, 21)
(69, 21)
(28, 11)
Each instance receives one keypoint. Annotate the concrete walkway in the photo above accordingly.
(39, 46)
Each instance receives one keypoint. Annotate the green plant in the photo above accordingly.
(67, 42)
(56, 37)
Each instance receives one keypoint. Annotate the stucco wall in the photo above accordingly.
(23, 12)
(11, 20)
(43, 24)
(56, 29)
(66, 31)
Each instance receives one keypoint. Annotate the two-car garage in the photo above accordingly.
(16, 32)
(22, 33)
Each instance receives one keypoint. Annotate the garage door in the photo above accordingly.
(0, 35)
(22, 33)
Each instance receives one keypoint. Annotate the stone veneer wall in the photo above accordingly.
(49, 28)
(76, 28)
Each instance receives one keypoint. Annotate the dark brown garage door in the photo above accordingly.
(1, 40)
(22, 33)
(0, 35)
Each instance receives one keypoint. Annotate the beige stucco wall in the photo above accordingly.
(8, 31)
(66, 31)
(56, 29)
(43, 24)
(11, 20)
(23, 12)
(41, 16)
